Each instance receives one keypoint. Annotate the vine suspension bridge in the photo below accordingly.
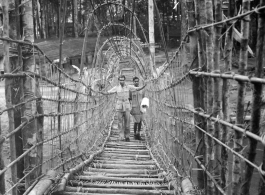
(62, 132)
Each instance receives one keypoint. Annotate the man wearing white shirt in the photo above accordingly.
(123, 106)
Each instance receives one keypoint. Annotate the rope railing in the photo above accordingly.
(71, 120)
(82, 128)
(174, 123)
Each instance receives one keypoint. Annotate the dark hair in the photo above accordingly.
(135, 78)
(121, 76)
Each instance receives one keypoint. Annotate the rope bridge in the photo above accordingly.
(58, 134)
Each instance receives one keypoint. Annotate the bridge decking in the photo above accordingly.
(122, 168)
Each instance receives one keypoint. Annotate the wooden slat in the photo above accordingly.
(150, 162)
(140, 171)
(148, 186)
(122, 166)
(120, 191)
(119, 174)
(104, 178)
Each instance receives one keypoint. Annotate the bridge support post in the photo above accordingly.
(198, 93)
(32, 134)
(151, 34)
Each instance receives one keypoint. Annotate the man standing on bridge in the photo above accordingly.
(136, 99)
(123, 106)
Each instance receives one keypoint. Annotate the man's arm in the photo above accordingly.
(113, 90)
(133, 88)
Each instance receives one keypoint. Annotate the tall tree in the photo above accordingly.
(32, 133)
(43, 12)
(5, 32)
(209, 55)
(75, 18)
(38, 23)
(225, 98)
(238, 137)
(199, 88)
(217, 86)
(16, 65)
(256, 108)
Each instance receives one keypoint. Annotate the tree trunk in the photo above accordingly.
(168, 24)
(200, 19)
(151, 35)
(8, 92)
(75, 21)
(39, 31)
(2, 166)
(80, 12)
(5, 32)
(238, 141)
(34, 19)
(16, 95)
(32, 133)
(62, 11)
(58, 20)
(43, 16)
(225, 99)
(53, 20)
(217, 88)
(260, 61)
(256, 108)
(47, 18)
(209, 54)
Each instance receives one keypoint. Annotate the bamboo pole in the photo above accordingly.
(217, 88)
(77, 116)
(41, 187)
(238, 141)
(17, 97)
(196, 84)
(239, 16)
(128, 186)
(126, 156)
(151, 35)
(62, 11)
(80, 193)
(125, 171)
(209, 54)
(256, 102)
(43, 16)
(261, 21)
(128, 152)
(200, 8)
(8, 91)
(2, 166)
(103, 178)
(225, 99)
(119, 191)
(187, 186)
(65, 178)
(33, 131)
(231, 126)
(121, 174)
(122, 166)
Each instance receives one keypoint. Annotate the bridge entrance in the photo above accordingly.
(203, 132)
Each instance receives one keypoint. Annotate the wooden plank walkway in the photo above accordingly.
(122, 168)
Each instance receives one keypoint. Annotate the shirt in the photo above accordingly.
(136, 99)
(123, 103)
